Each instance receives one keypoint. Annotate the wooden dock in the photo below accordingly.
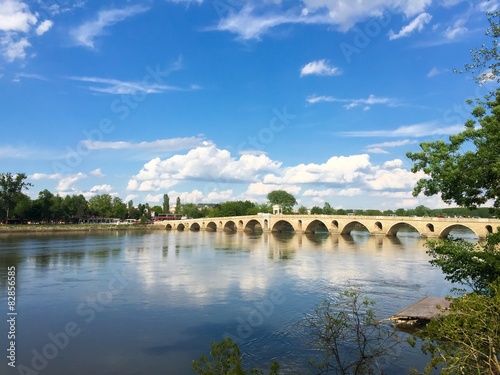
(422, 311)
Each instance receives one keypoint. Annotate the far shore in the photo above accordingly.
(51, 228)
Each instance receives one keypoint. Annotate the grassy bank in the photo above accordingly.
(42, 228)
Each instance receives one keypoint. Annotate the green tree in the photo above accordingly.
(226, 359)
(101, 205)
(485, 65)
(466, 169)
(328, 209)
(178, 206)
(44, 204)
(166, 204)
(475, 265)
(11, 188)
(119, 208)
(302, 210)
(283, 198)
(315, 210)
(466, 340)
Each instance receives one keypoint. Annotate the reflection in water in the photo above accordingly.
(153, 302)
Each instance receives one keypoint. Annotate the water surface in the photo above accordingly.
(150, 303)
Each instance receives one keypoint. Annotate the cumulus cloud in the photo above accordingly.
(17, 22)
(416, 24)
(101, 189)
(336, 170)
(86, 33)
(206, 163)
(320, 68)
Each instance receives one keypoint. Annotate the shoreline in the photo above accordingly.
(58, 228)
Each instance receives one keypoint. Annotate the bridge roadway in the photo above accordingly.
(431, 227)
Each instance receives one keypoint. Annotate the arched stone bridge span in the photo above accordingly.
(334, 224)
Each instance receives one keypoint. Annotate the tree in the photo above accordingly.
(302, 210)
(101, 205)
(226, 359)
(465, 170)
(283, 198)
(11, 188)
(178, 206)
(328, 209)
(44, 204)
(475, 265)
(349, 340)
(166, 204)
(315, 210)
(485, 64)
(466, 340)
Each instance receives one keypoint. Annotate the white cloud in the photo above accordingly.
(251, 22)
(336, 170)
(16, 16)
(376, 150)
(416, 24)
(117, 87)
(416, 130)
(44, 27)
(435, 71)
(458, 29)
(97, 173)
(353, 103)
(86, 33)
(170, 144)
(101, 189)
(12, 47)
(17, 22)
(207, 163)
(320, 68)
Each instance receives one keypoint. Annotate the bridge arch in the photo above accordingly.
(253, 226)
(283, 226)
(211, 227)
(349, 227)
(195, 227)
(317, 226)
(393, 230)
(446, 231)
(230, 226)
(181, 227)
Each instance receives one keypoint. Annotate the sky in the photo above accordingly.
(223, 100)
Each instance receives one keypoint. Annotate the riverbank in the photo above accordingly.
(52, 228)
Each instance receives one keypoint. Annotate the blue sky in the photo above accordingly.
(227, 99)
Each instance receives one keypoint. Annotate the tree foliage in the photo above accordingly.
(345, 332)
(466, 169)
(466, 340)
(485, 65)
(226, 359)
(283, 198)
(11, 188)
(475, 265)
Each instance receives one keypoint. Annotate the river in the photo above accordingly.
(151, 302)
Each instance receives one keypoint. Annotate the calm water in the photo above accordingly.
(150, 303)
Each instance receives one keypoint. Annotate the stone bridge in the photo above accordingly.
(334, 224)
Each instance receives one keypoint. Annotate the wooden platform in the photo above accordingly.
(422, 311)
